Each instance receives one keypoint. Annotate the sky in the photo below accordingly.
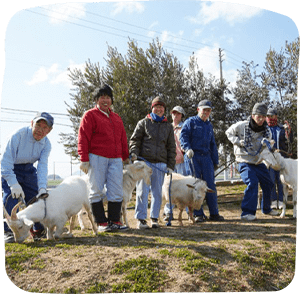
(42, 41)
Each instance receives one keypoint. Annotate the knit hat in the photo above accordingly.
(260, 108)
(204, 104)
(272, 111)
(104, 90)
(158, 101)
(178, 109)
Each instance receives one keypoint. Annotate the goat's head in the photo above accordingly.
(19, 227)
(267, 156)
(140, 170)
(199, 191)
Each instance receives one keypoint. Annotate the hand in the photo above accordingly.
(41, 192)
(190, 153)
(242, 143)
(17, 191)
(169, 170)
(84, 166)
(133, 156)
(215, 167)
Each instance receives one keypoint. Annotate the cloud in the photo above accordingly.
(65, 12)
(54, 75)
(129, 7)
(232, 13)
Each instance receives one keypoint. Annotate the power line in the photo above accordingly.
(32, 111)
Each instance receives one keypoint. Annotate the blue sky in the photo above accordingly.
(41, 41)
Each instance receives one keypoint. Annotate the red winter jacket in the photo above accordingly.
(102, 135)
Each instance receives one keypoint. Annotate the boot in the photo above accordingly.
(98, 212)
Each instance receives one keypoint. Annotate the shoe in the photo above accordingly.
(102, 227)
(200, 218)
(154, 223)
(167, 217)
(274, 204)
(216, 218)
(38, 234)
(112, 227)
(280, 205)
(9, 237)
(142, 224)
(273, 213)
(248, 217)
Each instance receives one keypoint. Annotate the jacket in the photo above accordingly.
(102, 135)
(198, 135)
(154, 141)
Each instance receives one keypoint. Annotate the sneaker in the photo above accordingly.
(142, 224)
(154, 223)
(280, 204)
(38, 234)
(102, 227)
(274, 204)
(216, 218)
(273, 213)
(200, 218)
(248, 217)
(112, 227)
(9, 237)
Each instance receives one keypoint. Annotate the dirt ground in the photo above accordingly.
(211, 256)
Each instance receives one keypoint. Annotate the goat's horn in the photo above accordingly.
(209, 190)
(14, 211)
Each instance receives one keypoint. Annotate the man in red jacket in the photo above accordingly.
(102, 145)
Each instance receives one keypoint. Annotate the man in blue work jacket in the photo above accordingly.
(198, 141)
(18, 175)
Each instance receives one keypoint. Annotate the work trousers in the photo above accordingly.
(27, 178)
(252, 175)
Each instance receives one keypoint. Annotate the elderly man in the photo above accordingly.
(198, 140)
(246, 137)
(18, 175)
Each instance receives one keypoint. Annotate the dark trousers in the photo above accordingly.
(27, 178)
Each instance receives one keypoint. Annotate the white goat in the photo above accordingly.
(288, 174)
(63, 203)
(186, 191)
(132, 173)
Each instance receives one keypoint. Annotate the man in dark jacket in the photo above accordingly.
(153, 140)
(198, 140)
(282, 137)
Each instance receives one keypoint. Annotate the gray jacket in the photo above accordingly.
(154, 141)
(246, 143)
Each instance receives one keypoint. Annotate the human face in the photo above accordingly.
(104, 102)
(176, 117)
(204, 113)
(40, 129)
(259, 119)
(158, 110)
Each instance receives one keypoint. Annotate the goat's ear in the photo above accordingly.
(7, 216)
(209, 190)
(190, 186)
(272, 142)
(28, 222)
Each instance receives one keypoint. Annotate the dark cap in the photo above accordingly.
(46, 117)
(260, 108)
(205, 104)
(272, 111)
(158, 101)
(104, 90)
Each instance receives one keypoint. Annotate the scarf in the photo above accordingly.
(272, 122)
(156, 118)
(253, 127)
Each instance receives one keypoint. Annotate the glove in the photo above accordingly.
(169, 170)
(133, 156)
(190, 153)
(84, 166)
(17, 191)
(242, 143)
(41, 192)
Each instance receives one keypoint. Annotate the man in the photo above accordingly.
(153, 139)
(20, 179)
(178, 114)
(198, 141)
(102, 145)
(246, 137)
(282, 137)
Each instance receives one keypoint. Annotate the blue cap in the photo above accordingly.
(205, 104)
(46, 117)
